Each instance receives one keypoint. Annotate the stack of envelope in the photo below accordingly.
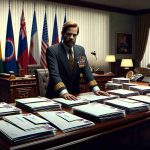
(21, 128)
(99, 112)
(141, 89)
(123, 93)
(8, 109)
(70, 103)
(65, 121)
(37, 104)
(130, 106)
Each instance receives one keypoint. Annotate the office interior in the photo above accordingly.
(100, 24)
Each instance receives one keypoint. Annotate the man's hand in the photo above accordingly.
(99, 92)
(68, 96)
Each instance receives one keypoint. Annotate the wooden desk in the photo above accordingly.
(20, 87)
(100, 78)
(112, 131)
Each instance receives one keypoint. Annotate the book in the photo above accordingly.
(8, 109)
(98, 112)
(123, 93)
(37, 104)
(65, 121)
(130, 106)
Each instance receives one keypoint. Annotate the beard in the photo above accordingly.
(70, 43)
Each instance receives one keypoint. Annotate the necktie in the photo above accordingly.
(71, 59)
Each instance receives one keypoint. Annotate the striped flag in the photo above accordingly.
(1, 61)
(55, 38)
(23, 46)
(10, 55)
(44, 44)
(34, 55)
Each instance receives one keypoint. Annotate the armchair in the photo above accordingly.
(42, 77)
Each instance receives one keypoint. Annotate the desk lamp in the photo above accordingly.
(110, 59)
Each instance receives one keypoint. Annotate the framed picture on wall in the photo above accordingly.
(124, 43)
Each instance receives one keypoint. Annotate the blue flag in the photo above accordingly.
(55, 38)
(10, 56)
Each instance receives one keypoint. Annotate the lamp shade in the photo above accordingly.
(110, 58)
(126, 63)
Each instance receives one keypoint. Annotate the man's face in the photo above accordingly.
(69, 37)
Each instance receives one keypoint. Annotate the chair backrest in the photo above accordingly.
(31, 69)
(42, 77)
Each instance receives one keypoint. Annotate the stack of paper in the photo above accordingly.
(7, 109)
(37, 104)
(70, 103)
(65, 121)
(98, 112)
(130, 106)
(127, 85)
(141, 89)
(18, 129)
(120, 80)
(96, 98)
(141, 98)
(123, 93)
(112, 86)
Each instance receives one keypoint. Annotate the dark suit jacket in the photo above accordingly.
(60, 71)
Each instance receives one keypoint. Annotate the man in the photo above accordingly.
(65, 62)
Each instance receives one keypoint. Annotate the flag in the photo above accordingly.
(10, 56)
(65, 19)
(44, 44)
(55, 38)
(34, 56)
(1, 61)
(23, 46)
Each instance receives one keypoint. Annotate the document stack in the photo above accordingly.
(37, 104)
(113, 86)
(130, 106)
(98, 112)
(65, 121)
(141, 98)
(7, 109)
(127, 85)
(120, 80)
(141, 89)
(70, 103)
(97, 98)
(123, 93)
(18, 129)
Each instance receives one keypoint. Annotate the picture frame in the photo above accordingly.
(124, 43)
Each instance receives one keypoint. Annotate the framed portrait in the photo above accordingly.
(124, 43)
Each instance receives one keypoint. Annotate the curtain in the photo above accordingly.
(141, 34)
(93, 24)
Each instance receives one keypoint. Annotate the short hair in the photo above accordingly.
(69, 24)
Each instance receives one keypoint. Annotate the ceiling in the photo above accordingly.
(134, 5)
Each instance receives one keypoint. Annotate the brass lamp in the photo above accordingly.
(110, 59)
(126, 63)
